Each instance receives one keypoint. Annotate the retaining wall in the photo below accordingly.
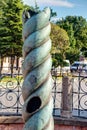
(16, 123)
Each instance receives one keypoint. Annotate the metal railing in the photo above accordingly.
(10, 92)
(79, 94)
(11, 97)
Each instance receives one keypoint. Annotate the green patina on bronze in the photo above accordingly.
(37, 85)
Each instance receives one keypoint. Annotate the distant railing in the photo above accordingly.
(73, 87)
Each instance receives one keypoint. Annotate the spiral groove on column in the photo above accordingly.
(37, 85)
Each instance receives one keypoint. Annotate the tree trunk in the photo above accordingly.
(17, 63)
(1, 64)
(12, 65)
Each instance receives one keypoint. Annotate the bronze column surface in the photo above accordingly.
(37, 86)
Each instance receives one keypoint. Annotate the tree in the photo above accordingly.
(72, 54)
(76, 27)
(2, 48)
(60, 39)
(10, 38)
(53, 14)
(11, 29)
(60, 42)
(82, 34)
(69, 28)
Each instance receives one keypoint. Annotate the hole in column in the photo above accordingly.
(33, 104)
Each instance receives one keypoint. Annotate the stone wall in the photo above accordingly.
(16, 123)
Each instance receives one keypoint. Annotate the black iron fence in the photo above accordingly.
(10, 92)
(79, 105)
(11, 97)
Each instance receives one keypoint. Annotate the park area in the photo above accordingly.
(43, 65)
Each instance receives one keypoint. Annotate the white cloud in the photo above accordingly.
(62, 3)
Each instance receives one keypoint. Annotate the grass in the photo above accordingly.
(9, 78)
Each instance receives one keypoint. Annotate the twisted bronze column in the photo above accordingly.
(37, 85)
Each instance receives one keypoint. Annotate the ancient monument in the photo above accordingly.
(37, 85)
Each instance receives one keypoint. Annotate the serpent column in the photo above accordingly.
(37, 85)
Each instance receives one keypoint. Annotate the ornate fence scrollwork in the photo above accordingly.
(10, 94)
(11, 101)
(80, 96)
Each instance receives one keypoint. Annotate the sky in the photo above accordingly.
(63, 8)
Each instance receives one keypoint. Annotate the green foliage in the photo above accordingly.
(53, 14)
(60, 44)
(72, 54)
(11, 28)
(83, 38)
(76, 27)
(69, 35)
(36, 7)
(57, 59)
(60, 40)
(54, 62)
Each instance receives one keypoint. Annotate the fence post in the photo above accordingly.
(66, 109)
